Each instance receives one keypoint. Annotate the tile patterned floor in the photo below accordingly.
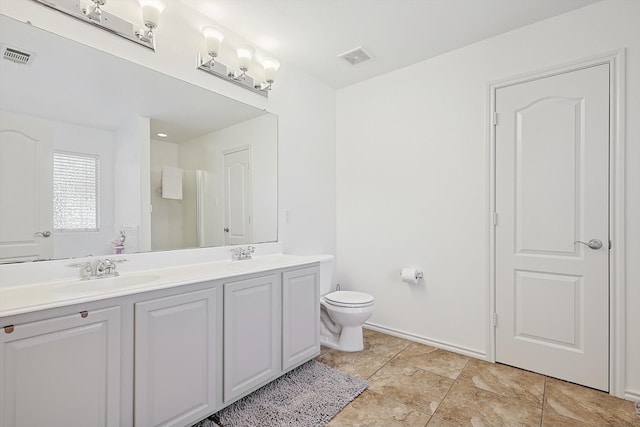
(412, 384)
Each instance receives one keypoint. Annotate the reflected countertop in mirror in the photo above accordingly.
(211, 181)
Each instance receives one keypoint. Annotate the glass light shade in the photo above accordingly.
(245, 53)
(213, 37)
(86, 6)
(270, 66)
(151, 10)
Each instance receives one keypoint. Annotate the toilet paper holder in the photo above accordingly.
(411, 275)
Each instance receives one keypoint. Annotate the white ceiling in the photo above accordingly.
(310, 34)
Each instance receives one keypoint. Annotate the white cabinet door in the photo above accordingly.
(300, 316)
(175, 358)
(252, 336)
(62, 372)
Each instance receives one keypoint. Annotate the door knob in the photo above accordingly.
(226, 229)
(45, 233)
(593, 243)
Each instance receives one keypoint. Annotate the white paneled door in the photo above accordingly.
(552, 228)
(26, 190)
(237, 196)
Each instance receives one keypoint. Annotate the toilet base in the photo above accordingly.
(349, 339)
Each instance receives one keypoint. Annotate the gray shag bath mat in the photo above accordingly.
(307, 396)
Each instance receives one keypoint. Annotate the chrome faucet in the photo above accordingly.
(242, 252)
(97, 269)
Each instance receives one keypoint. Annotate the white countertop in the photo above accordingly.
(39, 296)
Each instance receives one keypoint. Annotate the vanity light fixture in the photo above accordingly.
(270, 66)
(245, 55)
(151, 10)
(213, 38)
(92, 12)
(92, 9)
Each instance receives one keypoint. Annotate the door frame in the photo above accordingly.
(617, 256)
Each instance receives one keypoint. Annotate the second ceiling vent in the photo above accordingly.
(355, 56)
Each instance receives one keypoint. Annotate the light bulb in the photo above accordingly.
(270, 66)
(245, 53)
(213, 37)
(151, 10)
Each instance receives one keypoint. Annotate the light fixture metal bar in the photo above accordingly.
(108, 22)
(220, 70)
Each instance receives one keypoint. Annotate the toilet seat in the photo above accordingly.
(348, 299)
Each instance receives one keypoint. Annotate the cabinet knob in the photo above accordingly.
(8, 329)
(84, 314)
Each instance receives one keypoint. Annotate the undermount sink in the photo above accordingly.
(253, 263)
(103, 284)
(262, 262)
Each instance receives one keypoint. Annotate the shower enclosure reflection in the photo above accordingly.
(206, 191)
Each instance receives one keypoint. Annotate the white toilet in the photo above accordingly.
(342, 313)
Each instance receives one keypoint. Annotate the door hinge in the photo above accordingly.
(495, 319)
(495, 218)
(610, 245)
(495, 118)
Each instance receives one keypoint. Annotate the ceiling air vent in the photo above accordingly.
(355, 56)
(16, 55)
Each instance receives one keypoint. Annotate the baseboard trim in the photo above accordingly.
(632, 395)
(422, 340)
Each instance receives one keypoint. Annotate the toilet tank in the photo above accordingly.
(326, 275)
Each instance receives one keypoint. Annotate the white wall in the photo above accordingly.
(306, 162)
(133, 181)
(413, 173)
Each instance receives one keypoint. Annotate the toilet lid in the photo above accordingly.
(349, 298)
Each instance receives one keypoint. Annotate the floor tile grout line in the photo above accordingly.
(400, 401)
(544, 396)
(388, 361)
(455, 381)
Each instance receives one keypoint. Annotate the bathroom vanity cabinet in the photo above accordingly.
(163, 357)
(300, 316)
(62, 371)
(176, 338)
(252, 338)
(271, 325)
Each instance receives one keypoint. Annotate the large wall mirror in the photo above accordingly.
(100, 156)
